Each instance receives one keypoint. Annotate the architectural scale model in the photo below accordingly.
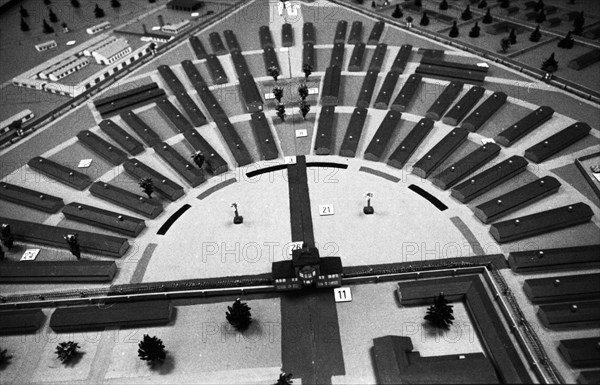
(299, 192)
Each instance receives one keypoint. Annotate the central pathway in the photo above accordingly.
(311, 347)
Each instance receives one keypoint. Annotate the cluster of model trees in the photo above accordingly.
(152, 349)
(303, 105)
(48, 29)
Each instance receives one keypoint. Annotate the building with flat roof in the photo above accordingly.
(184, 5)
(177, 27)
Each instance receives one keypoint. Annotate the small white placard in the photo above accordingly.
(342, 294)
(313, 91)
(487, 140)
(270, 96)
(194, 14)
(301, 133)
(284, 49)
(290, 160)
(30, 255)
(71, 42)
(596, 175)
(325, 210)
(156, 28)
(84, 163)
(294, 246)
(483, 65)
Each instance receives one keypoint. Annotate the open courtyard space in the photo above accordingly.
(299, 192)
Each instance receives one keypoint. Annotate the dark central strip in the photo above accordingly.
(311, 346)
(300, 215)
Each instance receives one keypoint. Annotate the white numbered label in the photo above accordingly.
(313, 91)
(325, 210)
(294, 246)
(342, 294)
(290, 160)
(30, 254)
(269, 96)
(301, 133)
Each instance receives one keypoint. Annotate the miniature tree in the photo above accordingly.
(198, 158)
(52, 16)
(66, 351)
(567, 42)
(540, 17)
(115, 3)
(454, 30)
(274, 72)
(303, 91)
(440, 313)
(424, 19)
(151, 349)
(281, 111)
(6, 236)
(46, 28)
(147, 186)
(24, 25)
(505, 44)
(467, 15)
(487, 19)
(23, 12)
(47, 2)
(444, 5)
(512, 36)
(482, 4)
(304, 108)
(98, 12)
(278, 93)
(284, 379)
(475, 30)
(307, 69)
(578, 23)
(504, 3)
(4, 357)
(418, 3)
(237, 218)
(550, 65)
(397, 12)
(1, 254)
(73, 243)
(536, 35)
(152, 1)
(373, 5)
(75, 3)
(539, 6)
(238, 315)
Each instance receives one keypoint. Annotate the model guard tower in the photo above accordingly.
(307, 269)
